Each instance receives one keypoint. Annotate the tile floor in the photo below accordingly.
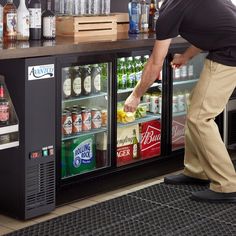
(8, 224)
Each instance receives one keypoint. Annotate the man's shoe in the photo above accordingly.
(211, 196)
(184, 179)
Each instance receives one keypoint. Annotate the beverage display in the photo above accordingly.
(134, 9)
(139, 132)
(84, 119)
(22, 21)
(184, 80)
(9, 21)
(35, 25)
(48, 22)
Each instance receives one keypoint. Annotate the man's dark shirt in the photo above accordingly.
(207, 24)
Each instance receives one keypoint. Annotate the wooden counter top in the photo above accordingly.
(67, 45)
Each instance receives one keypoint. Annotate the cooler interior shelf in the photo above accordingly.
(185, 82)
(119, 91)
(93, 131)
(148, 117)
(85, 97)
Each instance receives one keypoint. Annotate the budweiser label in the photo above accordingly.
(178, 132)
(150, 139)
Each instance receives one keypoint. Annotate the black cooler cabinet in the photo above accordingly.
(27, 172)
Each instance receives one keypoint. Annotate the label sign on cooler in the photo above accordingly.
(41, 72)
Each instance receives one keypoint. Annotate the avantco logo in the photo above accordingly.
(41, 72)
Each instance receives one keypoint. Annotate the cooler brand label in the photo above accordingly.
(83, 153)
(41, 72)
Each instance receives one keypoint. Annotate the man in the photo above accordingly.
(208, 25)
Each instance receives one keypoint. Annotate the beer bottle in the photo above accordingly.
(153, 15)
(66, 82)
(131, 73)
(86, 80)
(4, 107)
(76, 82)
(138, 69)
(104, 76)
(122, 75)
(135, 145)
(96, 78)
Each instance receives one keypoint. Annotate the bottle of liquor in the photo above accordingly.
(144, 16)
(4, 107)
(135, 145)
(49, 22)
(153, 15)
(22, 21)
(35, 19)
(1, 23)
(134, 16)
(9, 21)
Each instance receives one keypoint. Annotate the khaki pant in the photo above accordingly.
(206, 156)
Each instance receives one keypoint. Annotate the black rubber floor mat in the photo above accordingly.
(164, 210)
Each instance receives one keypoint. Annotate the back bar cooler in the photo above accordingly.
(27, 164)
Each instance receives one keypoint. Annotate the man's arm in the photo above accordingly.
(150, 73)
(182, 59)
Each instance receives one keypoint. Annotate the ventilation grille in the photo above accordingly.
(40, 185)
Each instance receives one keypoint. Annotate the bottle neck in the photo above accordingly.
(49, 5)
(1, 91)
(10, 1)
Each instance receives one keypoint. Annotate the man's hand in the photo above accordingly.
(178, 61)
(131, 103)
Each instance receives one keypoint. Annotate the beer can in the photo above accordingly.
(175, 104)
(96, 118)
(66, 123)
(154, 104)
(86, 119)
(104, 117)
(146, 99)
(181, 103)
(76, 121)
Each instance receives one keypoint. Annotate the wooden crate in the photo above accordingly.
(122, 21)
(85, 26)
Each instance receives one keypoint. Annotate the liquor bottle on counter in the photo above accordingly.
(134, 16)
(22, 21)
(49, 22)
(153, 15)
(1, 23)
(35, 19)
(4, 107)
(144, 16)
(9, 21)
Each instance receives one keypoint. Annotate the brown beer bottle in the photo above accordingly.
(152, 16)
(9, 21)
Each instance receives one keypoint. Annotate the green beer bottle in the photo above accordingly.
(130, 73)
